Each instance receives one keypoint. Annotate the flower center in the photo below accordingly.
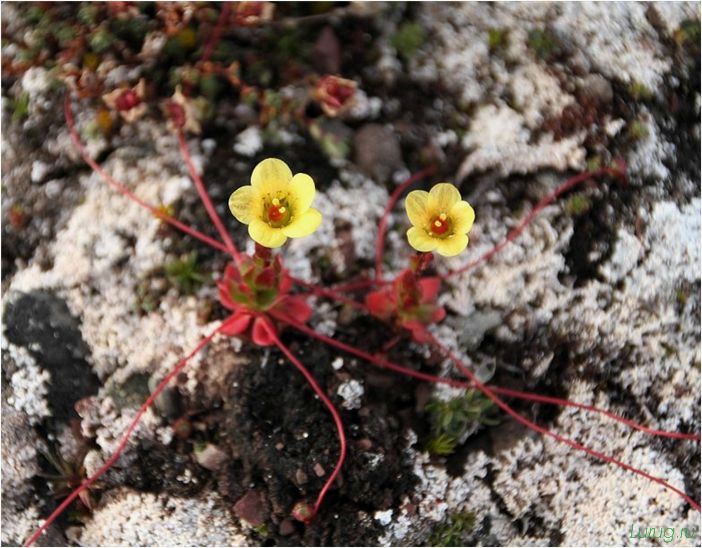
(127, 100)
(440, 224)
(277, 212)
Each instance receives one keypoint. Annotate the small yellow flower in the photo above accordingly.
(440, 220)
(276, 205)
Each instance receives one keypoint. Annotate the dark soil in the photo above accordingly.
(280, 432)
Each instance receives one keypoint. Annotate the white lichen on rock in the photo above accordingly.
(129, 518)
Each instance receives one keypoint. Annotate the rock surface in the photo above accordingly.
(597, 301)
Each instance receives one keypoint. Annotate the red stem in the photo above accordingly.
(323, 292)
(544, 202)
(383, 226)
(216, 34)
(528, 396)
(119, 187)
(205, 197)
(125, 439)
(545, 432)
(330, 406)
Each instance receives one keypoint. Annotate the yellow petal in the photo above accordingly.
(265, 235)
(416, 205)
(303, 225)
(453, 245)
(302, 191)
(271, 175)
(443, 196)
(462, 217)
(242, 204)
(420, 241)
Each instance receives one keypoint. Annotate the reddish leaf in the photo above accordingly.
(419, 331)
(262, 331)
(380, 303)
(295, 308)
(266, 278)
(429, 288)
(240, 321)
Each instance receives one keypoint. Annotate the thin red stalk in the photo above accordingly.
(323, 292)
(528, 396)
(544, 202)
(358, 284)
(125, 439)
(205, 197)
(330, 406)
(383, 226)
(216, 33)
(545, 432)
(119, 187)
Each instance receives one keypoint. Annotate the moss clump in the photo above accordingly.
(498, 39)
(408, 38)
(637, 130)
(455, 531)
(185, 274)
(688, 33)
(544, 43)
(19, 107)
(451, 420)
(640, 92)
(101, 40)
(577, 205)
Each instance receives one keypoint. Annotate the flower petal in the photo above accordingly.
(242, 204)
(462, 215)
(302, 191)
(416, 205)
(270, 175)
(419, 240)
(303, 225)
(443, 196)
(453, 245)
(265, 235)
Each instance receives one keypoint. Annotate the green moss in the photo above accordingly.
(101, 40)
(20, 107)
(637, 130)
(688, 32)
(640, 92)
(88, 13)
(408, 38)
(681, 296)
(455, 531)
(578, 204)
(185, 274)
(498, 39)
(442, 445)
(544, 43)
(452, 419)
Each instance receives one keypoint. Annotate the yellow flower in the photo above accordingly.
(276, 205)
(440, 220)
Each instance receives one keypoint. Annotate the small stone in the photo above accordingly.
(300, 477)
(597, 88)
(319, 470)
(377, 152)
(250, 508)
(365, 444)
(383, 517)
(211, 457)
(286, 528)
(327, 52)
(280, 446)
(338, 363)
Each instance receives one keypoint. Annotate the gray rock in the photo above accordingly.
(377, 152)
